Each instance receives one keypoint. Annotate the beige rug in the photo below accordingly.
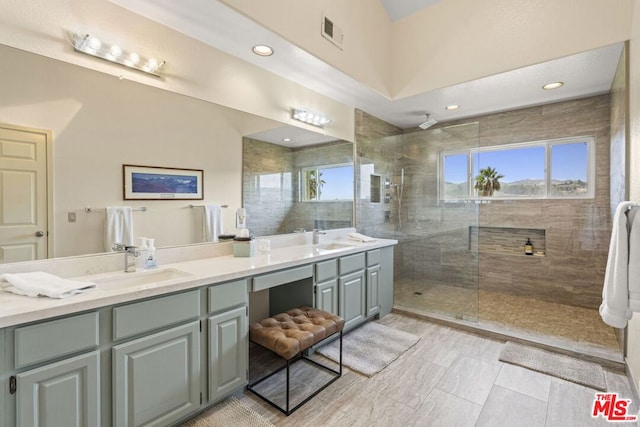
(229, 412)
(370, 348)
(568, 368)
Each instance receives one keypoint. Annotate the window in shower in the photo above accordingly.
(273, 186)
(455, 168)
(327, 183)
(523, 170)
(559, 168)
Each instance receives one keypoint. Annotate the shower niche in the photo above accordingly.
(375, 188)
(507, 240)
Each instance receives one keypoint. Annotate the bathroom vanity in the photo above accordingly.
(154, 347)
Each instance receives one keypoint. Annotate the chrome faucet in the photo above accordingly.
(130, 254)
(316, 235)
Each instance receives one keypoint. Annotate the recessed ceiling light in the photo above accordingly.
(553, 85)
(286, 139)
(452, 107)
(262, 50)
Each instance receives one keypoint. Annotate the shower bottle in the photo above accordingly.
(528, 247)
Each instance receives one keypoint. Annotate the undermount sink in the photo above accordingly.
(334, 246)
(139, 278)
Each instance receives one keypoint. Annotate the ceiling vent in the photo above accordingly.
(331, 32)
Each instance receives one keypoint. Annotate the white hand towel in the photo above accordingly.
(615, 310)
(112, 228)
(212, 223)
(634, 259)
(361, 237)
(118, 226)
(40, 283)
(126, 213)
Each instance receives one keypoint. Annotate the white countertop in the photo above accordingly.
(16, 309)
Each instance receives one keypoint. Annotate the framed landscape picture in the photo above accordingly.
(160, 183)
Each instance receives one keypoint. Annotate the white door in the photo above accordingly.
(23, 193)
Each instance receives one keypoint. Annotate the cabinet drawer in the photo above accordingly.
(373, 257)
(48, 340)
(227, 295)
(326, 270)
(351, 263)
(281, 277)
(133, 319)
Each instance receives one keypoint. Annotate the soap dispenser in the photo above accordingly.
(143, 250)
(528, 247)
(151, 255)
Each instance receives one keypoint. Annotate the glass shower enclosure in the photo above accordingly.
(410, 188)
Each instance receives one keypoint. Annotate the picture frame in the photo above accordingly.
(162, 183)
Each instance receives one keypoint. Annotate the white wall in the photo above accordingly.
(448, 43)
(460, 40)
(100, 123)
(633, 331)
(365, 24)
(193, 68)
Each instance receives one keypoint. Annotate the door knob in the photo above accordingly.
(39, 233)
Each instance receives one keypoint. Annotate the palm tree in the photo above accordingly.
(487, 181)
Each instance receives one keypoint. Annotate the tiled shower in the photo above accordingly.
(464, 261)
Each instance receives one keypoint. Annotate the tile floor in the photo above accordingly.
(574, 328)
(450, 378)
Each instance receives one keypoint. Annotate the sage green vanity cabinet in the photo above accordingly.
(65, 393)
(352, 288)
(53, 371)
(156, 378)
(228, 349)
(157, 361)
(326, 288)
(373, 283)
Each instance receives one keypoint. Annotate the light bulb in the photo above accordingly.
(115, 51)
(152, 63)
(94, 43)
(134, 58)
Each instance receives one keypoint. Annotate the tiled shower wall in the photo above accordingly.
(577, 231)
(270, 183)
(434, 238)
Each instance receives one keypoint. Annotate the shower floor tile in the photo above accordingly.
(573, 328)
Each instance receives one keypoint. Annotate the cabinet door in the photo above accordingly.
(352, 299)
(228, 352)
(327, 296)
(65, 393)
(373, 286)
(156, 379)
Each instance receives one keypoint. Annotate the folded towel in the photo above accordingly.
(118, 226)
(619, 285)
(212, 223)
(361, 237)
(40, 283)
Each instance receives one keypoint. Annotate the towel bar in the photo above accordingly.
(202, 206)
(140, 209)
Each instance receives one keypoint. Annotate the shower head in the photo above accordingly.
(430, 122)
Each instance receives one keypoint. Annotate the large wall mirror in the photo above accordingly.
(293, 180)
(96, 123)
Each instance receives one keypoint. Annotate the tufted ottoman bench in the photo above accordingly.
(288, 335)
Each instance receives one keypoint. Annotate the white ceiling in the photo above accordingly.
(398, 9)
(584, 74)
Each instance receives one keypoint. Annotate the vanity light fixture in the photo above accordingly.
(262, 50)
(310, 117)
(553, 85)
(452, 107)
(93, 46)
